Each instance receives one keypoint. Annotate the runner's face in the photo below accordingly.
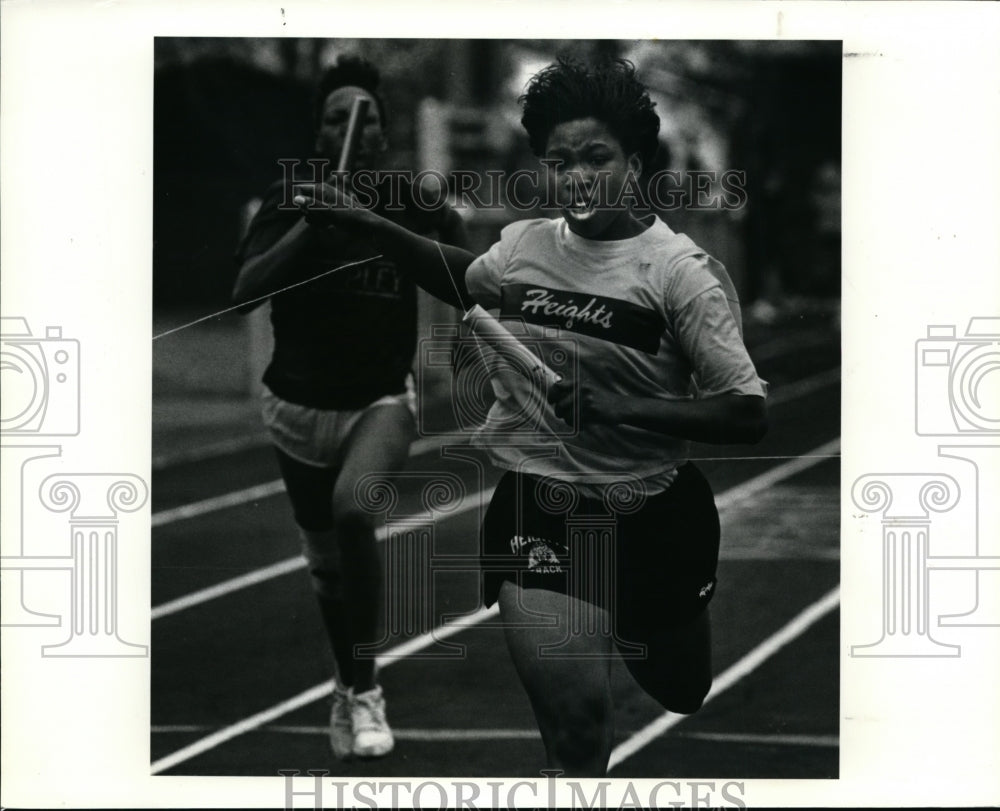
(589, 170)
(332, 130)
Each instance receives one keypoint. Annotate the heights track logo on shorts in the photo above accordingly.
(541, 558)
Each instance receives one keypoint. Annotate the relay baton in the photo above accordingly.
(485, 326)
(355, 125)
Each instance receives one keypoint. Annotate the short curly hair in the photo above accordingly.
(608, 91)
(349, 71)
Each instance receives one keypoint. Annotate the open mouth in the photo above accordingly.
(580, 211)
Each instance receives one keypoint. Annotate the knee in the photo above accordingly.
(323, 562)
(348, 516)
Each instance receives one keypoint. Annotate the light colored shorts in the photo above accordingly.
(316, 436)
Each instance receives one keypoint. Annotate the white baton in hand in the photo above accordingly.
(500, 338)
(355, 126)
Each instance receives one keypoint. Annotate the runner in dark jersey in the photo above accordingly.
(338, 396)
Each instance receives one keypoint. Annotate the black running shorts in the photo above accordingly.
(649, 559)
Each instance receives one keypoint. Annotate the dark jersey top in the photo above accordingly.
(348, 338)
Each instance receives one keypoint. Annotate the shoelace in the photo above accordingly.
(372, 715)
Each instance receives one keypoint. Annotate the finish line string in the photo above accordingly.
(268, 295)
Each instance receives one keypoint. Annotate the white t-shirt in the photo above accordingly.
(647, 316)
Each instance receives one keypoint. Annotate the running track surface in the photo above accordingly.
(240, 669)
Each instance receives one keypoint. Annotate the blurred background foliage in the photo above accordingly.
(227, 109)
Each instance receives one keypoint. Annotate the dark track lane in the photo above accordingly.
(220, 662)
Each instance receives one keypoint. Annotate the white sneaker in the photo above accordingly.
(341, 729)
(372, 736)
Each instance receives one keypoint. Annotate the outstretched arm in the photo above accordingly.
(439, 269)
(264, 273)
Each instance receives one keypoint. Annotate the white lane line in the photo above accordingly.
(743, 555)
(790, 391)
(765, 352)
(286, 566)
(724, 501)
(411, 646)
(426, 735)
(755, 740)
(266, 490)
(751, 487)
(435, 735)
(798, 626)
(223, 502)
(225, 447)
(282, 567)
(317, 692)
(210, 450)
